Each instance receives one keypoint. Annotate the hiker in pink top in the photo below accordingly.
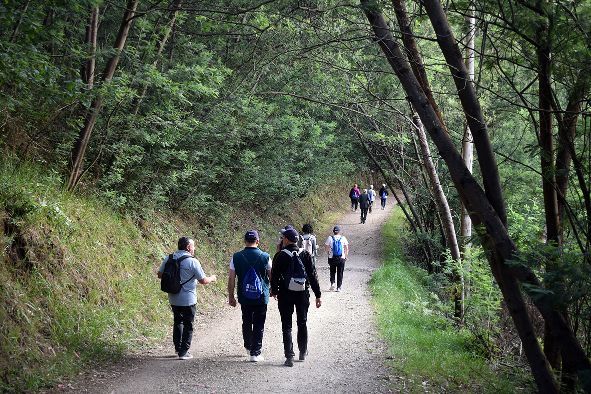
(354, 195)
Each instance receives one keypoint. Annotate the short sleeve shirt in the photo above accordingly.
(329, 243)
(191, 273)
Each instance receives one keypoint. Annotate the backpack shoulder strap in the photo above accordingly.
(181, 259)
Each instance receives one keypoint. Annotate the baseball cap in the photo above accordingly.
(336, 229)
(251, 236)
(291, 234)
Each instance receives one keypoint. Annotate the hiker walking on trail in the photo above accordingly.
(292, 275)
(383, 195)
(354, 194)
(179, 274)
(252, 267)
(308, 242)
(337, 248)
(364, 205)
(372, 197)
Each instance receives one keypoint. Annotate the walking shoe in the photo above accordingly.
(331, 287)
(288, 362)
(186, 356)
(338, 289)
(303, 356)
(256, 359)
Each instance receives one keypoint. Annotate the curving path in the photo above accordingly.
(345, 353)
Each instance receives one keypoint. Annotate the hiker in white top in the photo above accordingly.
(308, 241)
(337, 248)
(372, 196)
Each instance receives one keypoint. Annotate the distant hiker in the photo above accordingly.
(308, 242)
(252, 266)
(364, 205)
(183, 303)
(354, 194)
(337, 248)
(280, 240)
(372, 196)
(383, 195)
(292, 275)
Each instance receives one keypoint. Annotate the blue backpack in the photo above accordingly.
(252, 286)
(337, 246)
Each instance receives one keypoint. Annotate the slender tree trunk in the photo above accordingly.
(79, 149)
(88, 71)
(160, 45)
(544, 53)
(19, 22)
(487, 216)
(418, 68)
(445, 216)
(470, 105)
(468, 155)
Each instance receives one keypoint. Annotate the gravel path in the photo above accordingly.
(345, 353)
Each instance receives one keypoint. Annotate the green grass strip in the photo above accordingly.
(426, 350)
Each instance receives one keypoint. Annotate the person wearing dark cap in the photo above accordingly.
(293, 292)
(337, 248)
(252, 267)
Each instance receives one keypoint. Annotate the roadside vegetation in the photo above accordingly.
(426, 350)
(79, 282)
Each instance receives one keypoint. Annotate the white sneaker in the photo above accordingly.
(332, 287)
(256, 359)
(338, 289)
(186, 356)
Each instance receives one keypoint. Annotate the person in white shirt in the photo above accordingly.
(337, 248)
(372, 196)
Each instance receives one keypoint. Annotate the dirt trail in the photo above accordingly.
(345, 353)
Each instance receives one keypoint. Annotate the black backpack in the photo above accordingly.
(170, 282)
(295, 277)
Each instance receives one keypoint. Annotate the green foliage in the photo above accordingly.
(424, 345)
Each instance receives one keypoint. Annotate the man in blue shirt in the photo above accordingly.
(253, 301)
(183, 303)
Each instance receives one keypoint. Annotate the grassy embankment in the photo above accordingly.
(426, 350)
(78, 279)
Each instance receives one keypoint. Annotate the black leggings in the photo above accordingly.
(337, 266)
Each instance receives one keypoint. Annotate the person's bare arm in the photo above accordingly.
(346, 248)
(208, 279)
(231, 286)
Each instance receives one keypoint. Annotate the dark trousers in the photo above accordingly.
(384, 203)
(253, 326)
(354, 202)
(370, 205)
(337, 266)
(364, 214)
(287, 301)
(182, 331)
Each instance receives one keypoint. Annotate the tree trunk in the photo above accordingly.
(19, 22)
(79, 150)
(468, 155)
(447, 223)
(489, 217)
(88, 71)
(173, 10)
(418, 68)
(470, 105)
(544, 52)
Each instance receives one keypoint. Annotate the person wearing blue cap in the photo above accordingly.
(292, 276)
(337, 247)
(252, 267)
